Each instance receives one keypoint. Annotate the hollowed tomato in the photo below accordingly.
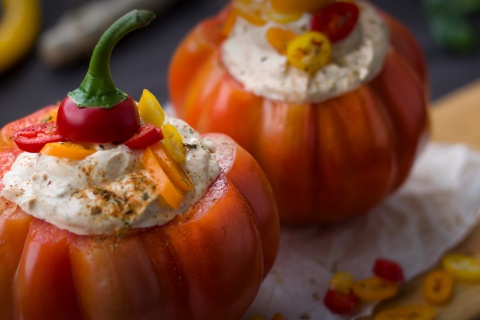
(206, 264)
(326, 161)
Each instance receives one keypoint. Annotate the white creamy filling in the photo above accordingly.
(108, 191)
(252, 61)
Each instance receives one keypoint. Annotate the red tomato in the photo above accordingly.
(336, 20)
(146, 135)
(186, 269)
(338, 302)
(388, 270)
(33, 138)
(98, 125)
(319, 157)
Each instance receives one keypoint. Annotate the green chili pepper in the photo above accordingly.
(97, 111)
(97, 89)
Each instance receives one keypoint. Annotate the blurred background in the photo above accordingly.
(447, 30)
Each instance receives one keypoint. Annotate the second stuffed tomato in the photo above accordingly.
(331, 99)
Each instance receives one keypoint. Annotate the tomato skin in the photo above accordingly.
(98, 125)
(14, 227)
(186, 269)
(44, 276)
(317, 159)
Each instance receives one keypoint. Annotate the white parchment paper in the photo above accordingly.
(432, 212)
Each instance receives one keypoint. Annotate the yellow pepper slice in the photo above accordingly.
(168, 192)
(150, 109)
(462, 267)
(341, 282)
(437, 287)
(374, 289)
(309, 52)
(280, 38)
(70, 150)
(171, 168)
(174, 143)
(408, 312)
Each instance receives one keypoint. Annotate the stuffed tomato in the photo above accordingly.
(113, 209)
(330, 97)
(187, 268)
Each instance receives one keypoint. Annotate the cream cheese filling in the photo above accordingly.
(252, 61)
(108, 191)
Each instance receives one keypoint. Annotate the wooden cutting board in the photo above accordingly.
(454, 119)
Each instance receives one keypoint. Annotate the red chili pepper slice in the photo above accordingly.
(33, 138)
(146, 135)
(336, 20)
(388, 270)
(338, 302)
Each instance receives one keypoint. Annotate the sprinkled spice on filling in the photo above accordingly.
(107, 191)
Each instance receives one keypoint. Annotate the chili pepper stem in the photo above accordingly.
(97, 88)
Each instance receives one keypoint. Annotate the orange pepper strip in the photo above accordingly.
(68, 150)
(229, 23)
(411, 312)
(172, 168)
(280, 38)
(168, 192)
(437, 287)
(374, 289)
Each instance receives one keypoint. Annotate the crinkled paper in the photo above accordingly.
(431, 213)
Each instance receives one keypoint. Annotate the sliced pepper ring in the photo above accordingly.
(437, 287)
(33, 138)
(309, 51)
(336, 20)
(374, 289)
(462, 267)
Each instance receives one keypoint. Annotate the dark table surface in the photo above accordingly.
(141, 60)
